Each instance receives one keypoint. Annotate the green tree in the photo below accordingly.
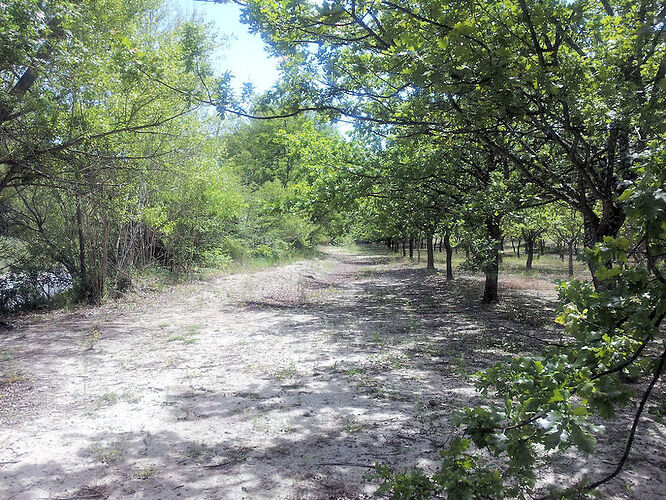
(547, 402)
(568, 93)
(567, 226)
(531, 224)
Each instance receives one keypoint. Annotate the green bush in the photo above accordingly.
(235, 248)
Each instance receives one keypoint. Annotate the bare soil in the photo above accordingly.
(286, 383)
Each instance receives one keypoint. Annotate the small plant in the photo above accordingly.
(6, 355)
(91, 338)
(413, 323)
(181, 338)
(200, 451)
(284, 373)
(659, 410)
(14, 377)
(460, 365)
(194, 329)
(376, 338)
(108, 455)
(357, 370)
(146, 473)
(352, 426)
(261, 423)
(106, 399)
(111, 398)
(392, 393)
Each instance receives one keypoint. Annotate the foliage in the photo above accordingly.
(120, 166)
(611, 335)
(481, 119)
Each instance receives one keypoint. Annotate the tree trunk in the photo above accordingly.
(571, 254)
(83, 270)
(518, 248)
(490, 294)
(404, 249)
(449, 255)
(595, 229)
(411, 248)
(529, 249)
(431, 253)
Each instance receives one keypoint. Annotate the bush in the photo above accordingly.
(217, 258)
(31, 290)
(235, 248)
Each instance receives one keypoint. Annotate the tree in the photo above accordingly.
(567, 225)
(69, 77)
(545, 86)
(85, 128)
(531, 224)
(547, 401)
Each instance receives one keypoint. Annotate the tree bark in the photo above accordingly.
(595, 229)
(542, 248)
(529, 249)
(83, 270)
(449, 255)
(411, 248)
(29, 76)
(490, 294)
(431, 253)
(571, 254)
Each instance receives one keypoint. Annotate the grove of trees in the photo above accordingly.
(111, 164)
(525, 115)
(476, 124)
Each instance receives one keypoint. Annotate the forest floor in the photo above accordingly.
(288, 382)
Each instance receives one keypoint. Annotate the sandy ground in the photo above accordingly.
(285, 383)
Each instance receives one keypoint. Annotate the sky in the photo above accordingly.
(245, 56)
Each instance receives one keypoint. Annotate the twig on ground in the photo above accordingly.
(222, 464)
(343, 464)
(77, 497)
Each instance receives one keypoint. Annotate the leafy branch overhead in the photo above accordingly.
(488, 112)
(483, 128)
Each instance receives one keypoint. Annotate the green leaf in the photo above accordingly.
(580, 411)
(557, 396)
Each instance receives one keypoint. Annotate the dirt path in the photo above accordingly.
(285, 383)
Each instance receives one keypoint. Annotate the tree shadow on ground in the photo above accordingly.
(375, 362)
